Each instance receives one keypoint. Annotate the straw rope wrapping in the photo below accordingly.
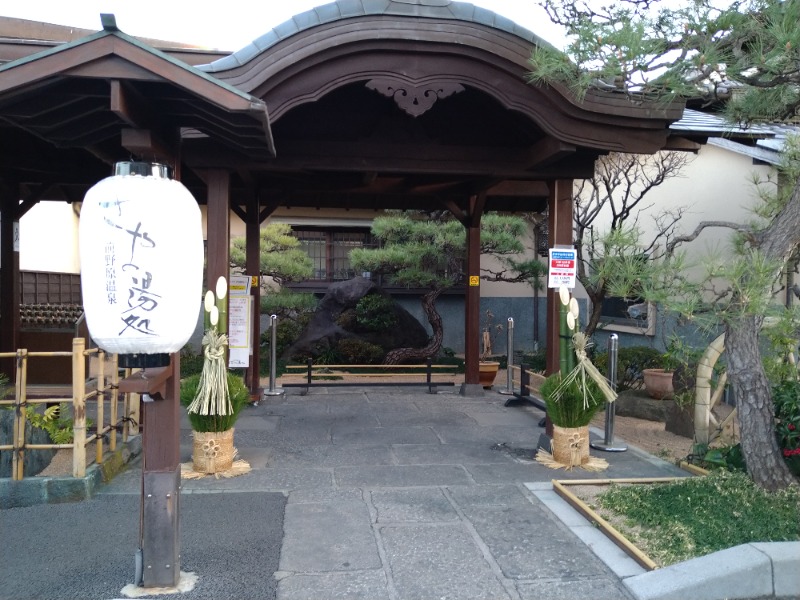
(582, 370)
(212, 391)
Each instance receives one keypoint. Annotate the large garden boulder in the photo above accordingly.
(35, 460)
(335, 320)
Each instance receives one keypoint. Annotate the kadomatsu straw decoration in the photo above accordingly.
(212, 391)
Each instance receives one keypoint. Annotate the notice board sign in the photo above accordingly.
(562, 267)
(240, 310)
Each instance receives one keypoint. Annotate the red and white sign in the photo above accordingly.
(562, 267)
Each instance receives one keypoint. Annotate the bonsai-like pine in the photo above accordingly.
(743, 57)
(429, 253)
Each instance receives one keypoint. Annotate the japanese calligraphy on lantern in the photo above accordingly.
(562, 267)
(141, 251)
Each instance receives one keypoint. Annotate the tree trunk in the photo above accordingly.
(400, 355)
(760, 449)
(596, 311)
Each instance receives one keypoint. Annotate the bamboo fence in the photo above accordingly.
(101, 390)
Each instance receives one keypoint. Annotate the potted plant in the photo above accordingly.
(487, 368)
(658, 382)
(573, 395)
(212, 447)
(214, 398)
(571, 406)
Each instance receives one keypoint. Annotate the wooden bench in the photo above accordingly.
(318, 375)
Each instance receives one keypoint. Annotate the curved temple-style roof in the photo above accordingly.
(372, 103)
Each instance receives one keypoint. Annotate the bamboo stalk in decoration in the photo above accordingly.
(585, 369)
(563, 333)
(212, 396)
(208, 303)
(569, 313)
(222, 304)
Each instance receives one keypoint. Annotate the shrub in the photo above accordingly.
(359, 352)
(239, 395)
(191, 362)
(631, 361)
(347, 320)
(375, 312)
(55, 422)
(288, 331)
(535, 361)
(786, 398)
(285, 301)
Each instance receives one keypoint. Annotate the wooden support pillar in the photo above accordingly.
(253, 268)
(559, 227)
(472, 300)
(218, 227)
(159, 536)
(9, 275)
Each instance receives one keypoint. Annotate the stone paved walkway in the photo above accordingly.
(398, 494)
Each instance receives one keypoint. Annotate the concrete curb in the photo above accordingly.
(767, 570)
(758, 570)
(54, 490)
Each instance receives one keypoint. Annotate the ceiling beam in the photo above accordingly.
(146, 144)
(549, 151)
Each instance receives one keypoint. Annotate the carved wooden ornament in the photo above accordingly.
(414, 99)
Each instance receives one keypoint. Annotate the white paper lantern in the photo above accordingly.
(141, 251)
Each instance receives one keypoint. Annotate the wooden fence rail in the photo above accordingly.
(100, 389)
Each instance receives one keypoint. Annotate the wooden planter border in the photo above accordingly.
(561, 488)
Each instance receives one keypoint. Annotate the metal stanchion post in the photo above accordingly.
(273, 358)
(608, 443)
(510, 359)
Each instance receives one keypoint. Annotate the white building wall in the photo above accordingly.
(48, 238)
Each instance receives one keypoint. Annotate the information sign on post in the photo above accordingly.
(562, 269)
(240, 313)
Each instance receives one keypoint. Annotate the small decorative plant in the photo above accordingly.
(576, 402)
(573, 395)
(215, 397)
(238, 395)
(489, 331)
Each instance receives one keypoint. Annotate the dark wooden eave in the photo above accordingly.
(68, 112)
(377, 105)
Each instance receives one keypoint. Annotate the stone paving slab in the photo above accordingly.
(488, 495)
(333, 456)
(356, 585)
(604, 588)
(528, 544)
(275, 480)
(400, 417)
(257, 423)
(401, 476)
(424, 505)
(328, 536)
(386, 435)
(440, 562)
(447, 454)
(523, 435)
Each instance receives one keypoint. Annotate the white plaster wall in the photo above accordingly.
(49, 238)
(716, 186)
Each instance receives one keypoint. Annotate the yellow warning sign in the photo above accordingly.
(254, 280)
(474, 280)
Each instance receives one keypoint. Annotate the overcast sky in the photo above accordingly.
(229, 25)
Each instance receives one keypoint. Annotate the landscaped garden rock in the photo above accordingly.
(335, 320)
